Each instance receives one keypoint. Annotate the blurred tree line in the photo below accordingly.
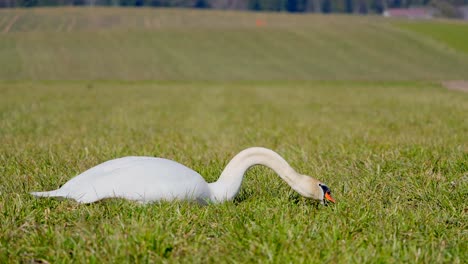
(318, 6)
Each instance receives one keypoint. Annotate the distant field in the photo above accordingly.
(454, 35)
(394, 154)
(161, 44)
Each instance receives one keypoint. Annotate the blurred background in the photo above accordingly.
(400, 8)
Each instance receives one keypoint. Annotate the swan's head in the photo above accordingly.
(313, 188)
(326, 193)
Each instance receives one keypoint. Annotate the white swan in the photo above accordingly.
(148, 179)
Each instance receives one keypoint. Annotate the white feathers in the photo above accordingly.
(134, 178)
(147, 179)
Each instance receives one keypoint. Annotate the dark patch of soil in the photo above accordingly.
(456, 85)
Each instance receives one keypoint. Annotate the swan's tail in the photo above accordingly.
(54, 193)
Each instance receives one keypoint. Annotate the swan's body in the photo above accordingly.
(147, 179)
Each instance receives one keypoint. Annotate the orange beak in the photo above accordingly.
(329, 198)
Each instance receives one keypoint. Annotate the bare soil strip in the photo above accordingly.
(9, 25)
(459, 85)
(72, 24)
(147, 22)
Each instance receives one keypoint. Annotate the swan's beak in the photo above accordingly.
(329, 198)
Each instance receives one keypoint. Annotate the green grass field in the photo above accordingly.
(155, 44)
(353, 101)
(452, 35)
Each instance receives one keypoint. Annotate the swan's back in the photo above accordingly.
(143, 179)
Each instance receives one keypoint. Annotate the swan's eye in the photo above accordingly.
(324, 188)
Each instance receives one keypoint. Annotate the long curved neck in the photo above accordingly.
(229, 183)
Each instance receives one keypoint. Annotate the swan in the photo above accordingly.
(149, 179)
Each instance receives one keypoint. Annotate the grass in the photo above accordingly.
(159, 44)
(353, 101)
(394, 154)
(452, 35)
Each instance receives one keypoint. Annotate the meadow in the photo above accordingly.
(353, 101)
(159, 44)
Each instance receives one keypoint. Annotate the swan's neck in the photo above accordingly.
(229, 183)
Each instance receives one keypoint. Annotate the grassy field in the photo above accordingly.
(452, 35)
(155, 44)
(353, 101)
(394, 154)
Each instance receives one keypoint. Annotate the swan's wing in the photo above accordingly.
(136, 178)
(108, 167)
(90, 175)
